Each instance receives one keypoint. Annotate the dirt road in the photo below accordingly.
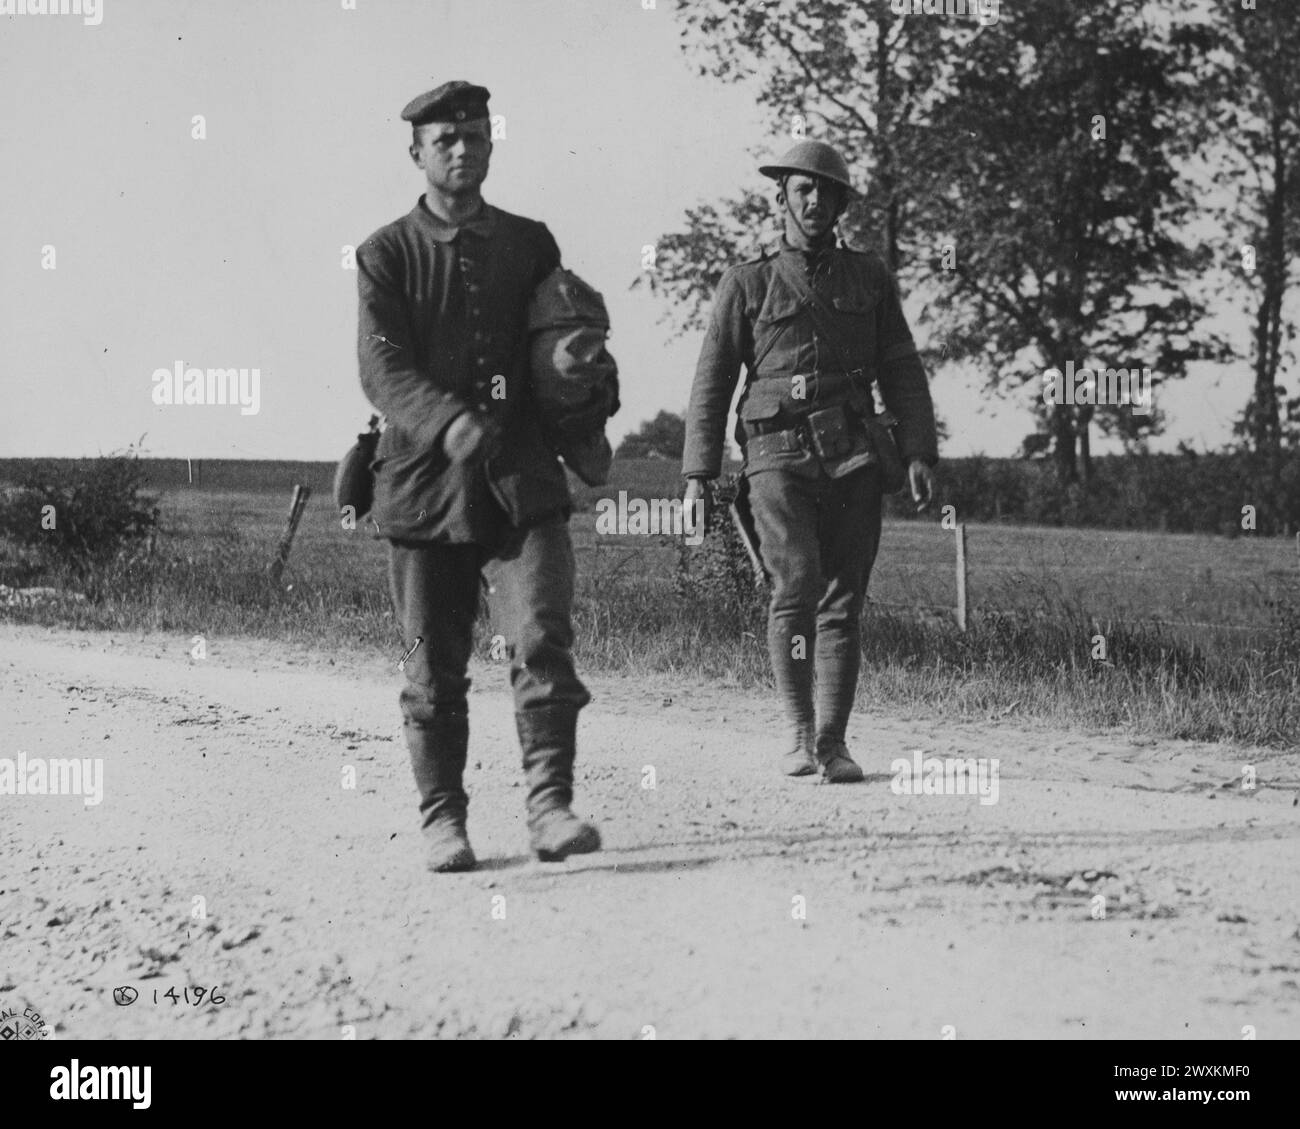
(227, 852)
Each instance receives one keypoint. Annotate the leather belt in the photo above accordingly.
(768, 427)
(782, 422)
(851, 375)
(778, 442)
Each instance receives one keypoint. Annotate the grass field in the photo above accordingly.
(1228, 668)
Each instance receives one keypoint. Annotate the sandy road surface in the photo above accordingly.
(223, 781)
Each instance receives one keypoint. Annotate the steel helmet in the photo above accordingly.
(573, 378)
(814, 158)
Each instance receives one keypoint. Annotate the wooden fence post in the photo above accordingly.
(299, 503)
(961, 576)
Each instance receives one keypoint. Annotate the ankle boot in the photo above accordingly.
(798, 760)
(547, 736)
(439, 749)
(836, 764)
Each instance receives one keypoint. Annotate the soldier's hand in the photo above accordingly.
(921, 479)
(467, 438)
(693, 502)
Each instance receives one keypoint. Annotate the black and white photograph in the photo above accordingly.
(641, 520)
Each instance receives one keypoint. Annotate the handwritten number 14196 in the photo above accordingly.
(214, 996)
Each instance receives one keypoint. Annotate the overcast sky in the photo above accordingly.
(226, 252)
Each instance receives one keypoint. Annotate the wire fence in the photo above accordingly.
(1188, 582)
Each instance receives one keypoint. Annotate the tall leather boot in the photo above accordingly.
(439, 749)
(838, 663)
(547, 736)
(792, 667)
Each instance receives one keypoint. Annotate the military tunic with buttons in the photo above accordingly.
(756, 309)
(818, 519)
(442, 330)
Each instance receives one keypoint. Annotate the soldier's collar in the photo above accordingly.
(483, 224)
(782, 245)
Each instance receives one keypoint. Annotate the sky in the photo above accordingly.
(227, 252)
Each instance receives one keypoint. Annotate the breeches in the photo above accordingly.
(436, 594)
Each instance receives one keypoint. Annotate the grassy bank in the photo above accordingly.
(1041, 598)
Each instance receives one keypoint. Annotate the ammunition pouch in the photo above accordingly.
(779, 432)
(840, 439)
(837, 440)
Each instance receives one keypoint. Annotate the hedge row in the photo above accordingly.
(1183, 493)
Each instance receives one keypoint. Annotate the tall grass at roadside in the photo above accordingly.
(638, 614)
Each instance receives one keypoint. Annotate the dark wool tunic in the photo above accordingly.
(441, 331)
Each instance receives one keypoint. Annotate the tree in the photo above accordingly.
(1253, 95)
(1066, 246)
(1068, 224)
(663, 437)
(845, 72)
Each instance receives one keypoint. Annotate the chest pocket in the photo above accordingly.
(776, 322)
(855, 324)
(765, 398)
(779, 303)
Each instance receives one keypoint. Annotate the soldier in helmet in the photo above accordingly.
(814, 325)
(465, 484)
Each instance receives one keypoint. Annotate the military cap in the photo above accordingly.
(451, 102)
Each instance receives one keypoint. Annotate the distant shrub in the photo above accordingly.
(1178, 493)
(79, 513)
(663, 437)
